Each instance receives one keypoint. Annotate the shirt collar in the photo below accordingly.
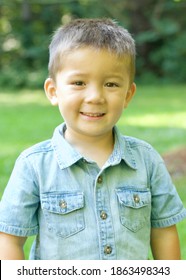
(123, 150)
(66, 155)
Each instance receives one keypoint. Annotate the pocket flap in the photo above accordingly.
(133, 198)
(62, 203)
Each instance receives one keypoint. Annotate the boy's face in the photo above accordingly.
(91, 90)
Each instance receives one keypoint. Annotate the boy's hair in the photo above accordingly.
(96, 33)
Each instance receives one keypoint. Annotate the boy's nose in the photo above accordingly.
(95, 95)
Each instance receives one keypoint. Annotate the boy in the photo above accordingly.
(89, 192)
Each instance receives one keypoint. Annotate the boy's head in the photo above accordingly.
(91, 71)
(96, 33)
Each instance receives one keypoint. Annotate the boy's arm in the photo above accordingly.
(165, 243)
(11, 247)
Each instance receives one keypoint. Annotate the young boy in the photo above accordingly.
(90, 192)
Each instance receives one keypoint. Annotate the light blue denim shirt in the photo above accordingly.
(79, 211)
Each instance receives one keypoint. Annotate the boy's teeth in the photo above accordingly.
(93, 115)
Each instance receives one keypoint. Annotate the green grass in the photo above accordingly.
(156, 114)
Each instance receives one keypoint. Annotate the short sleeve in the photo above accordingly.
(20, 201)
(167, 207)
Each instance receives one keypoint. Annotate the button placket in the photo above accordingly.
(106, 230)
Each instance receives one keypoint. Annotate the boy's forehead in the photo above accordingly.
(88, 53)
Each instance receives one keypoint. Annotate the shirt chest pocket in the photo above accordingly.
(134, 208)
(64, 212)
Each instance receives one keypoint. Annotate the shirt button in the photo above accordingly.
(63, 204)
(103, 215)
(108, 250)
(100, 179)
(136, 198)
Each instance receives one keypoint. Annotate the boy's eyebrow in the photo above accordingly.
(83, 74)
(77, 73)
(115, 75)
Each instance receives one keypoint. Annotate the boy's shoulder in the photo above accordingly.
(135, 147)
(39, 148)
(134, 142)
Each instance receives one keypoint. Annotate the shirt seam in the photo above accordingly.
(169, 221)
(18, 231)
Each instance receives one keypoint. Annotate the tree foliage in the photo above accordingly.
(26, 27)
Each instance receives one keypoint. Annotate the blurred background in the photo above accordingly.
(159, 28)
(157, 113)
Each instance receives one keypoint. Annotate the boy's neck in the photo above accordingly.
(97, 148)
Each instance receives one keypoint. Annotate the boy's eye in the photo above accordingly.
(79, 83)
(111, 85)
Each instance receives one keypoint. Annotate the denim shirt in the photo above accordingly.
(79, 211)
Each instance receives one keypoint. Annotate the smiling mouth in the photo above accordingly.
(94, 115)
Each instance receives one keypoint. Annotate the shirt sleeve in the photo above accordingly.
(20, 201)
(167, 207)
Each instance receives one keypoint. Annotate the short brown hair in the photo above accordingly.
(96, 33)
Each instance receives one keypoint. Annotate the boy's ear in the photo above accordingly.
(50, 91)
(130, 94)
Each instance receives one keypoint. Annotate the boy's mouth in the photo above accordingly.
(94, 115)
